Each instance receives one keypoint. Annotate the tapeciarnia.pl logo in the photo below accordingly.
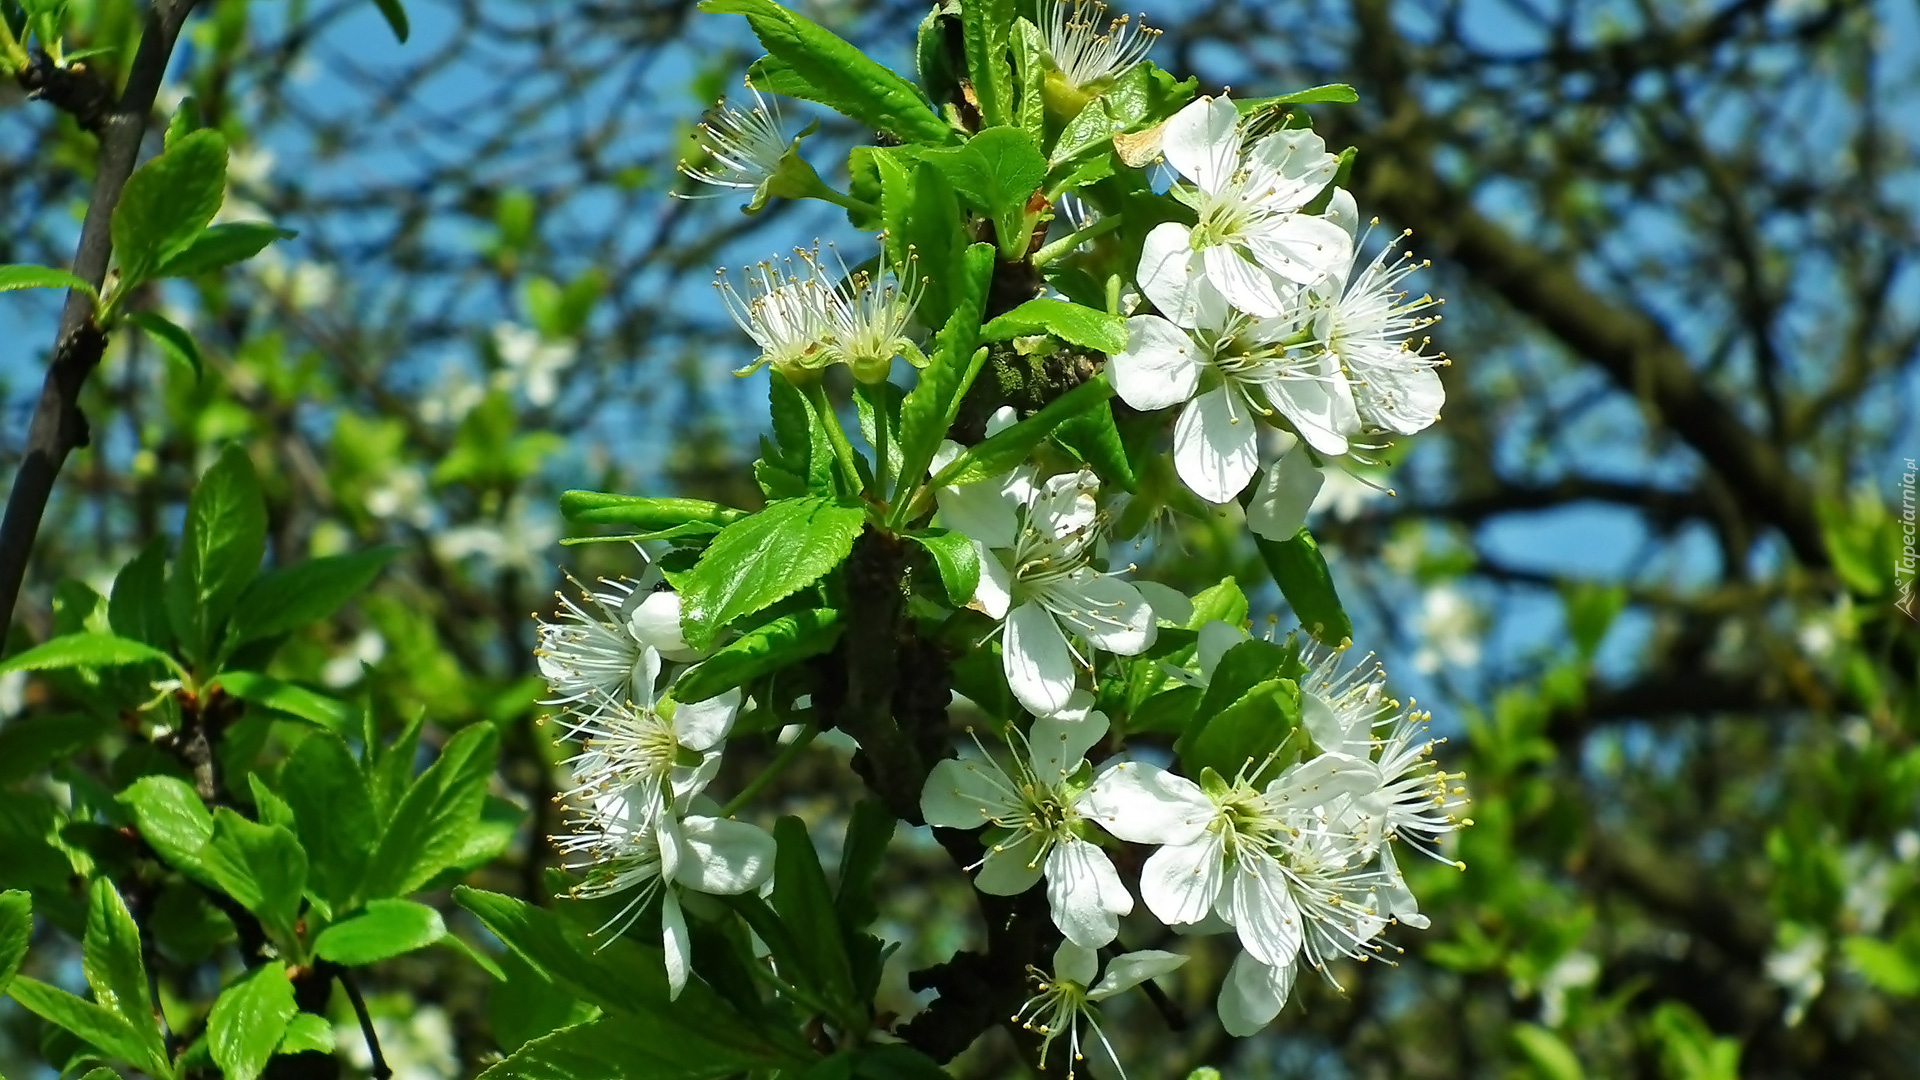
(1903, 567)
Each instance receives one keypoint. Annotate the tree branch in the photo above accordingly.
(58, 427)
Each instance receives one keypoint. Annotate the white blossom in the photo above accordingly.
(1251, 239)
(744, 147)
(1045, 588)
(532, 363)
(1038, 811)
(1085, 52)
(1368, 323)
(788, 313)
(1066, 996)
(1267, 861)
(1230, 372)
(623, 845)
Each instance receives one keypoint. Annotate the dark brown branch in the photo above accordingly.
(72, 90)
(381, 1070)
(58, 427)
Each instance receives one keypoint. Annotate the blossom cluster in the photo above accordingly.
(642, 824)
(1265, 349)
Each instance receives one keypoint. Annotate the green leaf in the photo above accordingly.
(166, 203)
(804, 901)
(1551, 1058)
(870, 829)
(173, 820)
(1093, 438)
(760, 651)
(957, 560)
(1892, 967)
(86, 651)
(824, 68)
(222, 246)
(185, 121)
(1302, 574)
(137, 608)
(386, 929)
(262, 867)
(396, 16)
(619, 974)
(997, 172)
(431, 824)
(28, 743)
(985, 25)
(307, 1033)
(225, 538)
(1337, 93)
(929, 409)
(1223, 602)
(332, 814)
(16, 929)
(295, 701)
(1073, 323)
(605, 508)
(1008, 449)
(638, 1047)
(1248, 730)
(1147, 94)
(92, 1023)
(248, 1020)
(284, 599)
(18, 276)
(110, 959)
(764, 559)
(174, 340)
(921, 215)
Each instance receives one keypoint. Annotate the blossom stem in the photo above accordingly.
(1072, 240)
(851, 470)
(787, 755)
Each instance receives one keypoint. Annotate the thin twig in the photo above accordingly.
(381, 1071)
(58, 427)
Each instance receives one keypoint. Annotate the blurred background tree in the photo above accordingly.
(1645, 575)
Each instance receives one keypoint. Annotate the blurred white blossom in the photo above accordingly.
(1449, 628)
(532, 363)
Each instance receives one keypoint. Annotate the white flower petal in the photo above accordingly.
(1000, 420)
(965, 793)
(1300, 248)
(656, 622)
(1170, 276)
(1169, 605)
(674, 942)
(725, 857)
(980, 511)
(1145, 804)
(1322, 409)
(1320, 780)
(1038, 664)
(1085, 893)
(1253, 995)
(1013, 868)
(1058, 744)
(1244, 284)
(1076, 963)
(1216, 638)
(1202, 142)
(1129, 970)
(1286, 492)
(1216, 445)
(1344, 212)
(1181, 882)
(1401, 399)
(994, 594)
(702, 725)
(1108, 612)
(1160, 366)
(1257, 901)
